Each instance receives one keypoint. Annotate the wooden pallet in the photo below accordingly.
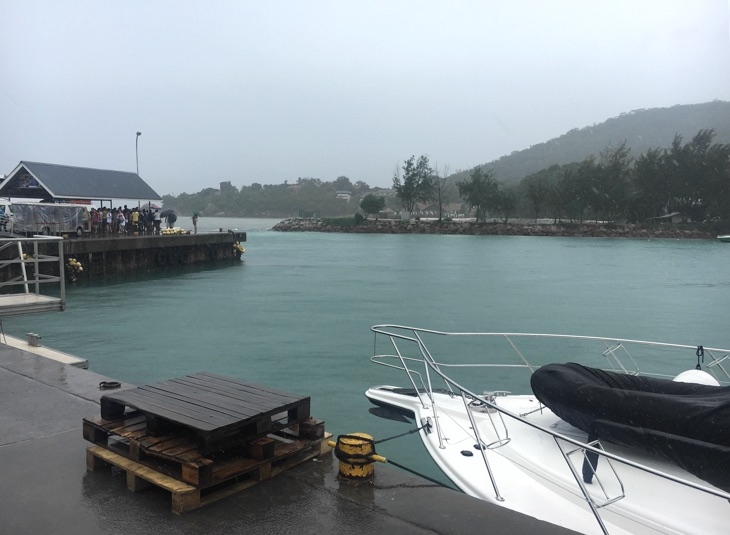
(177, 455)
(187, 497)
(203, 436)
(175, 464)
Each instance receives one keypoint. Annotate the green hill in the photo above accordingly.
(641, 129)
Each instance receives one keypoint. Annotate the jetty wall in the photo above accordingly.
(390, 226)
(128, 254)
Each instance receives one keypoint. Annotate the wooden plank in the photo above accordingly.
(171, 448)
(131, 419)
(158, 443)
(178, 409)
(140, 470)
(242, 391)
(311, 428)
(150, 399)
(243, 402)
(209, 401)
(163, 410)
(185, 497)
(94, 434)
(228, 387)
(97, 430)
(245, 384)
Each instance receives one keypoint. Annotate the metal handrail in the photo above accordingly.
(611, 345)
(35, 260)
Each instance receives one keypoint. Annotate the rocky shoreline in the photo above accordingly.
(386, 226)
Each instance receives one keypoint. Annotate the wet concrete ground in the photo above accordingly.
(47, 489)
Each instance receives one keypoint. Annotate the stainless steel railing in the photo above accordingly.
(32, 268)
(614, 352)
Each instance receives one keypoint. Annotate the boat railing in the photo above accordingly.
(716, 360)
(425, 365)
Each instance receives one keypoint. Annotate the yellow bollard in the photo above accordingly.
(356, 453)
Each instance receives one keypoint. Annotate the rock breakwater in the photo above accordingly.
(385, 226)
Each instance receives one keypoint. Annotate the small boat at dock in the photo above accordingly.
(601, 435)
(724, 237)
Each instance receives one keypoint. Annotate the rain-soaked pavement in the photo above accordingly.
(46, 488)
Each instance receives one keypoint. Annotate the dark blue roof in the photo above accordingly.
(66, 182)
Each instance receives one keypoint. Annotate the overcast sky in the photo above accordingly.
(271, 91)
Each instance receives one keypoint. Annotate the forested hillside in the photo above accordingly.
(559, 161)
(640, 129)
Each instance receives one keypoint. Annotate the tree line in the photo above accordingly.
(306, 196)
(692, 178)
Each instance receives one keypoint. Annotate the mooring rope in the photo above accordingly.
(363, 459)
(416, 430)
(424, 476)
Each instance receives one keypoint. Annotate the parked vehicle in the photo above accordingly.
(50, 219)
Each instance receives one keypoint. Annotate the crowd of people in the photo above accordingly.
(128, 220)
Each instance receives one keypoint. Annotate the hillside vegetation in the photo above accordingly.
(641, 130)
(631, 136)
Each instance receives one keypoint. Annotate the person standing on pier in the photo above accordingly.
(157, 221)
(134, 216)
(195, 222)
(94, 221)
(121, 222)
(86, 218)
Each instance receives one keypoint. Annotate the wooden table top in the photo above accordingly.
(206, 401)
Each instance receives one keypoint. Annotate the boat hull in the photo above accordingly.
(531, 474)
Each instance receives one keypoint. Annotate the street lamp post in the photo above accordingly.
(136, 150)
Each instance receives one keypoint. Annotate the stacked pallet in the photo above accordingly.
(202, 437)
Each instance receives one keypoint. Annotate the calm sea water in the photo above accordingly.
(296, 313)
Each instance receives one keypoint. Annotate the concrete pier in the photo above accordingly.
(128, 254)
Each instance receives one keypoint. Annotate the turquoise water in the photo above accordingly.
(296, 312)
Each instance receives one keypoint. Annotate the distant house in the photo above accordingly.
(388, 213)
(453, 209)
(429, 210)
(377, 192)
(432, 209)
(344, 195)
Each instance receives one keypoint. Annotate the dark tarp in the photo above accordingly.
(687, 423)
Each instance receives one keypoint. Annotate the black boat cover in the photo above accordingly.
(686, 423)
